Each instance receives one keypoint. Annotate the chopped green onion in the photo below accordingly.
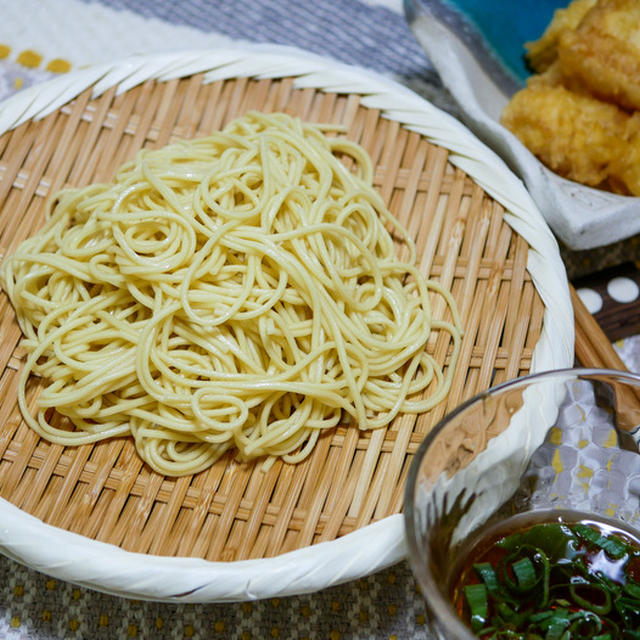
(555, 540)
(541, 616)
(487, 574)
(616, 548)
(551, 582)
(585, 623)
(476, 595)
(629, 611)
(633, 589)
(557, 624)
(591, 591)
(525, 573)
(506, 611)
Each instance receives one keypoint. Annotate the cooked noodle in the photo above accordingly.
(240, 290)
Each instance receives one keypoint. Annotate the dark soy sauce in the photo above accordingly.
(557, 576)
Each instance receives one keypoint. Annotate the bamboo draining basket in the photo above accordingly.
(96, 514)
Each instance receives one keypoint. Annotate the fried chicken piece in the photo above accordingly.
(625, 177)
(603, 52)
(577, 136)
(542, 52)
(554, 77)
(581, 114)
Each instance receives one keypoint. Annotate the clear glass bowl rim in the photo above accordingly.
(438, 605)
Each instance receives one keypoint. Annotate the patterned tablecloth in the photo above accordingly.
(39, 38)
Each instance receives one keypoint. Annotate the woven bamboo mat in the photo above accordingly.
(234, 510)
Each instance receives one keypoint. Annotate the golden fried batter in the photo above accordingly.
(574, 135)
(581, 115)
(543, 52)
(604, 51)
(625, 173)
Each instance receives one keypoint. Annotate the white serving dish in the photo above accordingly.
(581, 217)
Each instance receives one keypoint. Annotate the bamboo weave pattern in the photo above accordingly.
(236, 511)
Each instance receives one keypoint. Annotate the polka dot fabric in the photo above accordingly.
(386, 606)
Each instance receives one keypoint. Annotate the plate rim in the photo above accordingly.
(110, 569)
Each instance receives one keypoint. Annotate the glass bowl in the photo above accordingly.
(554, 444)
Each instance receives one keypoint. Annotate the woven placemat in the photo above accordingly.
(236, 511)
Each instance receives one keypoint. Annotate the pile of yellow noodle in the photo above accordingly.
(240, 290)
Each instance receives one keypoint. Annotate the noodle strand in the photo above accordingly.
(241, 291)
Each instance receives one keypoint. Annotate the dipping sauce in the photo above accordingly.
(557, 579)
